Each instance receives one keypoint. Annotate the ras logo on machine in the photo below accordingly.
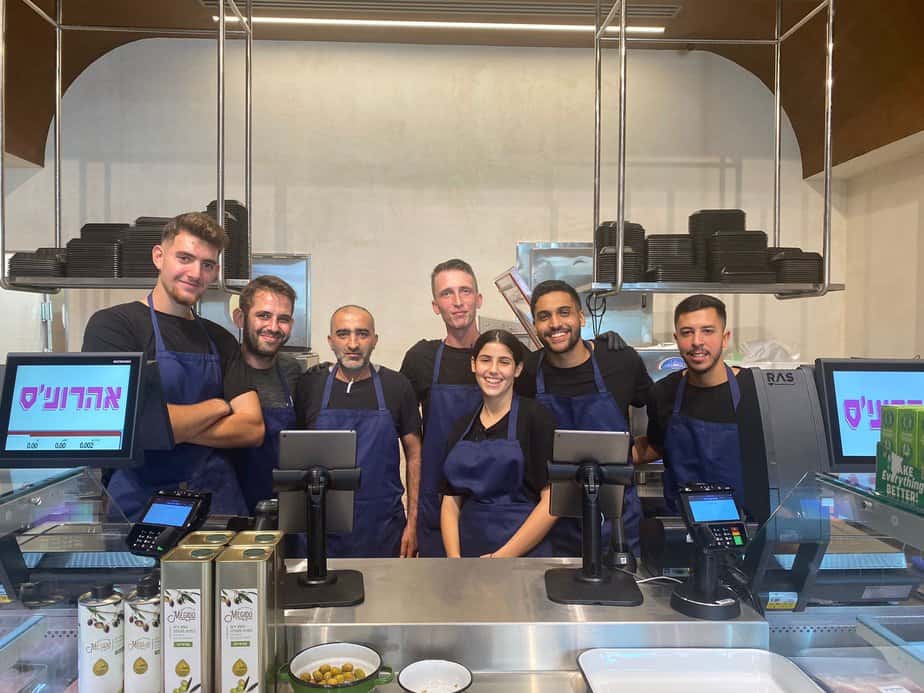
(780, 378)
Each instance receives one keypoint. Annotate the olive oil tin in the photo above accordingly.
(245, 581)
(188, 594)
(271, 539)
(101, 641)
(144, 667)
(211, 538)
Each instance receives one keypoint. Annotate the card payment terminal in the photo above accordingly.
(168, 517)
(717, 530)
(712, 517)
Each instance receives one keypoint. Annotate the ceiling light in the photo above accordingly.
(420, 24)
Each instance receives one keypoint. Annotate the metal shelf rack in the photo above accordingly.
(52, 283)
(618, 13)
(788, 290)
(49, 285)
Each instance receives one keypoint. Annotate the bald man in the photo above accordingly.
(380, 405)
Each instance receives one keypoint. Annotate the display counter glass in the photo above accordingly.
(844, 566)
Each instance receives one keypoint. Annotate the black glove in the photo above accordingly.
(613, 341)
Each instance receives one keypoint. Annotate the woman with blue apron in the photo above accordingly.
(378, 513)
(486, 474)
(255, 465)
(445, 405)
(186, 378)
(701, 451)
(597, 411)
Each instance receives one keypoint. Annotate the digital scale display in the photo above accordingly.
(66, 408)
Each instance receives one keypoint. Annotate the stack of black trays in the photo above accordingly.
(44, 262)
(669, 258)
(739, 256)
(103, 233)
(137, 244)
(705, 222)
(633, 268)
(92, 258)
(633, 238)
(235, 224)
(794, 266)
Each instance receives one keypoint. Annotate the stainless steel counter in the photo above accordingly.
(494, 616)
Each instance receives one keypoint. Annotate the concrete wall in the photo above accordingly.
(382, 160)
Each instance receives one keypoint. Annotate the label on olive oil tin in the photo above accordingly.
(143, 665)
(182, 640)
(240, 652)
(101, 641)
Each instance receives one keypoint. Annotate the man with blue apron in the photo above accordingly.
(264, 316)
(378, 404)
(206, 416)
(440, 371)
(587, 388)
(489, 479)
(692, 420)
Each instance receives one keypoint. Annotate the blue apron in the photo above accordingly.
(703, 451)
(255, 465)
(186, 378)
(490, 474)
(378, 513)
(446, 404)
(597, 411)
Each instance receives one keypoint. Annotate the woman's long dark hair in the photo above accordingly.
(501, 337)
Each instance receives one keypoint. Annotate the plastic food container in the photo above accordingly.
(691, 670)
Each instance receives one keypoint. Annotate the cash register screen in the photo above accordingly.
(717, 508)
(854, 391)
(69, 405)
(171, 512)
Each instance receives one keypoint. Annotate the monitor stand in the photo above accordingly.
(318, 586)
(593, 583)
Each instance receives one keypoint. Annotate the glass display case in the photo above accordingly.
(59, 535)
(838, 569)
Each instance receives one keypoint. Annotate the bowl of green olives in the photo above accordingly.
(335, 666)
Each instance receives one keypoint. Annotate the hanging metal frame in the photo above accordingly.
(244, 20)
(618, 13)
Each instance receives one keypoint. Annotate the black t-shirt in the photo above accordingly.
(265, 381)
(624, 376)
(420, 360)
(535, 433)
(703, 403)
(399, 398)
(128, 327)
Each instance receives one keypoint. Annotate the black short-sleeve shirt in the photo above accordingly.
(703, 403)
(420, 360)
(623, 371)
(266, 381)
(128, 327)
(535, 433)
(360, 394)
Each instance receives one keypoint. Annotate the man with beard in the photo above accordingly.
(440, 371)
(264, 315)
(379, 404)
(206, 414)
(586, 387)
(692, 419)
